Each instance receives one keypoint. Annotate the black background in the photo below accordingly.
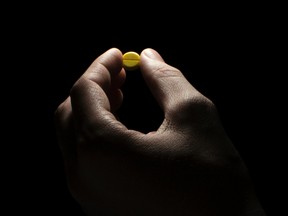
(226, 57)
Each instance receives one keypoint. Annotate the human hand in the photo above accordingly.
(187, 167)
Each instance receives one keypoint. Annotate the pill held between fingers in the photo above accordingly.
(131, 60)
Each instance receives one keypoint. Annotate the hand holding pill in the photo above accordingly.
(188, 166)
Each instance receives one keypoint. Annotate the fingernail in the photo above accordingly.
(152, 54)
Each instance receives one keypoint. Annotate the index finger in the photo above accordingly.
(105, 69)
(89, 95)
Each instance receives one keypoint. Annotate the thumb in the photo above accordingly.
(168, 85)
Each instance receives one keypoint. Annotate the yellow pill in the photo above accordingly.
(131, 60)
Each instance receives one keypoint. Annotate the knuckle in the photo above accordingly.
(59, 112)
(77, 86)
(195, 108)
(165, 71)
(200, 104)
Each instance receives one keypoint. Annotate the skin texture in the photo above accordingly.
(187, 167)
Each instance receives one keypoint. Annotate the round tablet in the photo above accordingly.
(131, 60)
